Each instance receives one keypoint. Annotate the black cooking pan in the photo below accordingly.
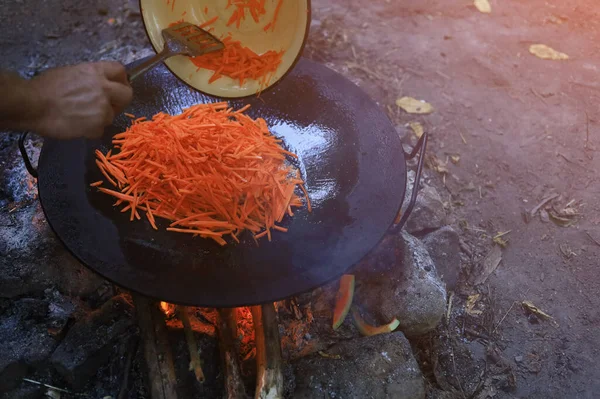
(349, 154)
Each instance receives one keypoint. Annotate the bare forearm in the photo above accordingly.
(20, 104)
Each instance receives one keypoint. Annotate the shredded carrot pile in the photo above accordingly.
(239, 62)
(211, 171)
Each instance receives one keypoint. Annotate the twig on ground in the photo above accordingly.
(573, 162)
(590, 86)
(587, 145)
(593, 239)
(50, 387)
(541, 204)
(476, 334)
(587, 129)
(504, 317)
(367, 70)
(450, 300)
(502, 234)
(476, 229)
(538, 95)
(465, 248)
(443, 75)
(414, 72)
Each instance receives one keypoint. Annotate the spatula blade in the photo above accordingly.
(190, 40)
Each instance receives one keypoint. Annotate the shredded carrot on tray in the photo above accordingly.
(236, 61)
(210, 171)
(256, 8)
(271, 25)
(209, 22)
(240, 63)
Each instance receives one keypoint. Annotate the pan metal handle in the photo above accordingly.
(420, 149)
(32, 171)
(145, 64)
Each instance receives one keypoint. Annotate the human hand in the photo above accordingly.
(79, 100)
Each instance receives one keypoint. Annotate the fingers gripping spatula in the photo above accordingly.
(180, 39)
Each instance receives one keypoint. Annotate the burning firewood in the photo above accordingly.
(195, 363)
(269, 375)
(157, 353)
(227, 328)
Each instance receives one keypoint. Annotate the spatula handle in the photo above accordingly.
(148, 64)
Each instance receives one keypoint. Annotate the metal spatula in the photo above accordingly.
(180, 39)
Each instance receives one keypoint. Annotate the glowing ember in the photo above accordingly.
(167, 308)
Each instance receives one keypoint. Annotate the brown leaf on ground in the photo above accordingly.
(500, 240)
(531, 308)
(483, 6)
(434, 163)
(547, 53)
(470, 306)
(414, 106)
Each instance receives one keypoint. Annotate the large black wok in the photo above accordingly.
(349, 154)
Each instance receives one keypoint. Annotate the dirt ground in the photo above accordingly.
(523, 128)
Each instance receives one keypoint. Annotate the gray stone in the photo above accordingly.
(544, 216)
(443, 246)
(86, 346)
(399, 279)
(428, 213)
(381, 366)
(33, 260)
(25, 342)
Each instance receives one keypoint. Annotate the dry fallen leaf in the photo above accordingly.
(498, 239)
(483, 6)
(414, 106)
(434, 163)
(470, 306)
(544, 52)
(530, 307)
(487, 266)
(565, 216)
(567, 252)
(328, 356)
(417, 128)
